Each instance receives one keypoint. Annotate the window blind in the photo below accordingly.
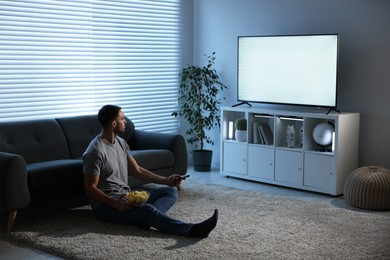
(67, 58)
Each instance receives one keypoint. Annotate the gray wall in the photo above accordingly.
(364, 64)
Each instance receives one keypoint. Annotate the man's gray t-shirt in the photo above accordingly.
(110, 162)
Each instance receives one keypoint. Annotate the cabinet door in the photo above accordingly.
(261, 162)
(234, 157)
(319, 171)
(288, 166)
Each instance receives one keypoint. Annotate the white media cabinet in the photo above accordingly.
(306, 166)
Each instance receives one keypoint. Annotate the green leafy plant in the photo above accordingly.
(241, 124)
(199, 101)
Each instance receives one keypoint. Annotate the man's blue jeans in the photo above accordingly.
(152, 213)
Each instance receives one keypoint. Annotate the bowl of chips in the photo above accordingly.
(136, 197)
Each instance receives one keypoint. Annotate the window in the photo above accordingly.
(64, 58)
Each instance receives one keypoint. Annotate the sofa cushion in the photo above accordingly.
(154, 159)
(34, 140)
(80, 131)
(55, 174)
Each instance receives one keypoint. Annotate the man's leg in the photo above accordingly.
(163, 198)
(146, 214)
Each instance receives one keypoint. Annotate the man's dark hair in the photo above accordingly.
(107, 114)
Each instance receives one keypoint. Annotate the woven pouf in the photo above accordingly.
(368, 188)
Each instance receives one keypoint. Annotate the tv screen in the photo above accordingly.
(290, 69)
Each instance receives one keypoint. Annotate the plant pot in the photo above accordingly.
(202, 160)
(240, 135)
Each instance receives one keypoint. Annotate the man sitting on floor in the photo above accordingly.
(107, 163)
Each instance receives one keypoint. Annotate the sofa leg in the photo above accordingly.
(11, 220)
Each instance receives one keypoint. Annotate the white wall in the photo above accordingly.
(364, 75)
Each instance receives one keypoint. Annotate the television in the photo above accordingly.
(288, 69)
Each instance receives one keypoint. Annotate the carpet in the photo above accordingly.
(251, 226)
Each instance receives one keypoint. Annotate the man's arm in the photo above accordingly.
(146, 175)
(92, 191)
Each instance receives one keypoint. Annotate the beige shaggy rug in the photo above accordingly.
(251, 226)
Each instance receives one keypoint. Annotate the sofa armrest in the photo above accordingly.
(14, 192)
(174, 142)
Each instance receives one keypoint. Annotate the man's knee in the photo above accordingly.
(172, 192)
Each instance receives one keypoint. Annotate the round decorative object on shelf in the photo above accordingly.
(323, 133)
(368, 188)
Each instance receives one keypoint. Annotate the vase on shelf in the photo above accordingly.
(241, 128)
(240, 135)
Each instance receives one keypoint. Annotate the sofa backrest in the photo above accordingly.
(80, 130)
(34, 140)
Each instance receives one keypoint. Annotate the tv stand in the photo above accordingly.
(268, 155)
(332, 109)
(242, 103)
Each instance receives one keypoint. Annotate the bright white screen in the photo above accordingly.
(288, 69)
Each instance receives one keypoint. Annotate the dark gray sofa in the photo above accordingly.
(40, 160)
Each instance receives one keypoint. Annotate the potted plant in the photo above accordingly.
(241, 128)
(199, 102)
